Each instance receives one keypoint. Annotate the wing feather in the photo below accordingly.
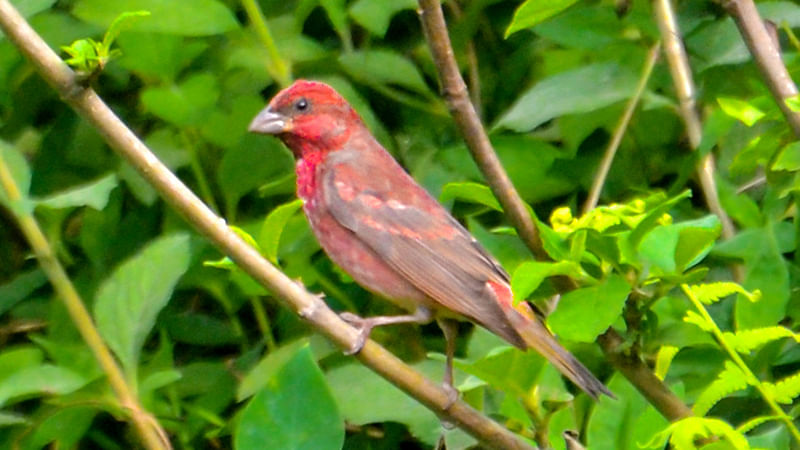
(417, 237)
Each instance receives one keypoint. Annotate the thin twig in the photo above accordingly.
(120, 138)
(149, 431)
(474, 134)
(276, 66)
(681, 73)
(767, 57)
(619, 131)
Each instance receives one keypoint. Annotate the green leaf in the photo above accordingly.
(383, 67)
(584, 313)
(788, 158)
(785, 390)
(21, 173)
(364, 398)
(623, 423)
(128, 302)
(685, 432)
(471, 192)
(266, 369)
(20, 287)
(676, 247)
(663, 359)
(793, 103)
(533, 12)
(740, 110)
(94, 194)
(122, 22)
(28, 8)
(745, 341)
(295, 410)
(710, 293)
(730, 380)
(14, 359)
(375, 15)
(185, 104)
(195, 18)
(740, 206)
(580, 90)
(251, 163)
(270, 235)
(45, 379)
(529, 275)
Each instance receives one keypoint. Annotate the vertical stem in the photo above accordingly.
(263, 322)
(150, 432)
(276, 66)
(619, 131)
(200, 175)
(684, 87)
(751, 378)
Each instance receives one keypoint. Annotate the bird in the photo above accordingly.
(393, 238)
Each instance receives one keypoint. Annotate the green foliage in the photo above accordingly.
(217, 359)
(88, 56)
(293, 410)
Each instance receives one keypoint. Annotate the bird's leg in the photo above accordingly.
(366, 324)
(450, 331)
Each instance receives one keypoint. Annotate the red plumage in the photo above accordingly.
(390, 235)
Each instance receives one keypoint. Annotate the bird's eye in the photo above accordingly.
(301, 105)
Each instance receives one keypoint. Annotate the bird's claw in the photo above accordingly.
(452, 395)
(363, 331)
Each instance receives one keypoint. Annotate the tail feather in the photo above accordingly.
(536, 336)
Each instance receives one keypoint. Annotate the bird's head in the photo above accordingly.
(308, 116)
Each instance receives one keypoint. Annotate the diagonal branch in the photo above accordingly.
(89, 106)
(465, 116)
(631, 366)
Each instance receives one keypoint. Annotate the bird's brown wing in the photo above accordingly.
(418, 238)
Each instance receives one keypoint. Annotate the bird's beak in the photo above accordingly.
(269, 122)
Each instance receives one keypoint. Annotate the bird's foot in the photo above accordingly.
(364, 327)
(452, 395)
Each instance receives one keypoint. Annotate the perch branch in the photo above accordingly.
(89, 106)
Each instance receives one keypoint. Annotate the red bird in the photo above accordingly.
(391, 236)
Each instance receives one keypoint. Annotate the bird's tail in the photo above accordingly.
(538, 337)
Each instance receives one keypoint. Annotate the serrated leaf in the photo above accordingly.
(128, 301)
(784, 391)
(94, 194)
(684, 433)
(752, 423)
(710, 293)
(270, 235)
(730, 380)
(696, 319)
(745, 341)
(740, 110)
